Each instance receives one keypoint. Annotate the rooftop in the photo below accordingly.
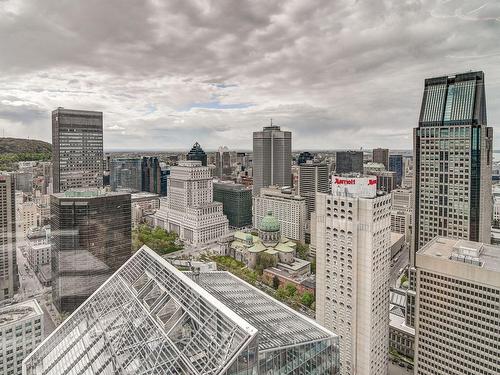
(19, 311)
(88, 193)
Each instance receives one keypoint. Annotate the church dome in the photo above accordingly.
(269, 223)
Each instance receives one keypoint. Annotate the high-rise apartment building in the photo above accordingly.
(290, 210)
(189, 209)
(91, 239)
(349, 162)
(457, 308)
(452, 161)
(21, 331)
(396, 165)
(353, 240)
(272, 158)
(150, 318)
(77, 149)
(236, 201)
(223, 162)
(381, 155)
(126, 174)
(197, 153)
(9, 277)
(313, 178)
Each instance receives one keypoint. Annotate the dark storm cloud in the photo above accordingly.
(339, 74)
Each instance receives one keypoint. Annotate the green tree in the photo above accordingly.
(290, 289)
(307, 299)
(302, 251)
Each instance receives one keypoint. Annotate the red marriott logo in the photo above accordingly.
(372, 182)
(338, 181)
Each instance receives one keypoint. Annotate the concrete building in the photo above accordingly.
(77, 149)
(143, 204)
(373, 169)
(289, 209)
(381, 155)
(236, 201)
(272, 158)
(91, 239)
(353, 257)
(189, 209)
(126, 174)
(150, 318)
(453, 159)
(24, 181)
(9, 277)
(28, 216)
(457, 308)
(348, 162)
(21, 331)
(386, 181)
(401, 336)
(401, 212)
(38, 247)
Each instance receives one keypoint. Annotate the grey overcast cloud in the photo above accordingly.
(167, 73)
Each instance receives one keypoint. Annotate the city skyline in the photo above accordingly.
(159, 82)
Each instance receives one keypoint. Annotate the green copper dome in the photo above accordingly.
(269, 223)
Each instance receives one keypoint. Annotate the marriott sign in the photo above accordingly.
(362, 187)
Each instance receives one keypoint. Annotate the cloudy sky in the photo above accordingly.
(167, 73)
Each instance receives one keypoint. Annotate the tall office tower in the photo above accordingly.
(236, 201)
(381, 155)
(77, 151)
(197, 153)
(386, 181)
(353, 235)
(396, 165)
(458, 302)
(452, 161)
(9, 277)
(223, 162)
(272, 158)
(313, 178)
(304, 157)
(151, 174)
(288, 208)
(126, 174)
(190, 210)
(150, 318)
(349, 162)
(21, 329)
(24, 181)
(91, 239)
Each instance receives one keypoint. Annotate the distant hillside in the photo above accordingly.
(13, 150)
(21, 146)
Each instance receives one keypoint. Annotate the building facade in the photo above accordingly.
(386, 181)
(272, 158)
(353, 263)
(313, 178)
(9, 277)
(91, 239)
(381, 155)
(197, 153)
(223, 162)
(288, 208)
(77, 149)
(21, 331)
(349, 162)
(189, 209)
(236, 201)
(396, 165)
(458, 302)
(452, 161)
(126, 174)
(28, 216)
(152, 318)
(151, 175)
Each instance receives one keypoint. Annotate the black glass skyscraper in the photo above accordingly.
(197, 153)
(396, 165)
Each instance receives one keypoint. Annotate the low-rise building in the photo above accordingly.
(401, 336)
(38, 247)
(143, 204)
(21, 330)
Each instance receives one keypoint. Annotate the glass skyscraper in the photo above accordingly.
(452, 161)
(126, 174)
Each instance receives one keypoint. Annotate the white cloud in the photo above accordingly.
(339, 74)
